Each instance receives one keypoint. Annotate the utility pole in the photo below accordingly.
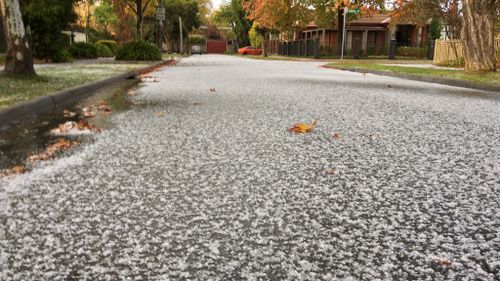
(182, 39)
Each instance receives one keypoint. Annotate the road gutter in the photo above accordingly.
(54, 101)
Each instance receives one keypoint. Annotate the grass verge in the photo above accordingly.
(54, 78)
(492, 78)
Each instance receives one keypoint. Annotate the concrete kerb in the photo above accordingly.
(50, 103)
(429, 79)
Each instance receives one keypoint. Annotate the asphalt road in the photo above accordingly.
(217, 189)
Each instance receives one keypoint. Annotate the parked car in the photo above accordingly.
(196, 49)
(249, 50)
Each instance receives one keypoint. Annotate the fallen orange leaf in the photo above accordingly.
(67, 113)
(301, 128)
(336, 136)
(160, 114)
(18, 170)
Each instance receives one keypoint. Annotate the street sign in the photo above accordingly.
(354, 11)
(160, 13)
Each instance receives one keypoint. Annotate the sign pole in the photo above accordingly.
(343, 34)
(160, 17)
(182, 39)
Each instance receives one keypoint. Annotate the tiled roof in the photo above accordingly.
(374, 18)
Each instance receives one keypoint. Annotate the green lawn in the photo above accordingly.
(56, 77)
(487, 78)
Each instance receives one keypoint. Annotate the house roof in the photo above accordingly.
(375, 18)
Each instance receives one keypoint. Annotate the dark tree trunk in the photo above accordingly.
(138, 4)
(478, 35)
(19, 59)
(265, 44)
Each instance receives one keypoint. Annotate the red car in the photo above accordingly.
(249, 50)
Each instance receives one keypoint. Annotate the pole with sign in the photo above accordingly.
(160, 17)
(346, 12)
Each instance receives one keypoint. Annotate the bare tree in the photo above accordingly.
(19, 59)
(138, 7)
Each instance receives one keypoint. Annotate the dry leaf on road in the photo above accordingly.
(197, 103)
(212, 89)
(336, 136)
(301, 128)
(372, 136)
(443, 262)
(160, 114)
(103, 106)
(331, 171)
(88, 112)
(67, 113)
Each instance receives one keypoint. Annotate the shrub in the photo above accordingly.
(138, 51)
(103, 51)
(411, 52)
(110, 44)
(196, 40)
(82, 50)
(61, 55)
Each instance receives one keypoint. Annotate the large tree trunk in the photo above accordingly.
(19, 59)
(478, 35)
(265, 44)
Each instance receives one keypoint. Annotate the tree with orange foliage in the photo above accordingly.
(284, 16)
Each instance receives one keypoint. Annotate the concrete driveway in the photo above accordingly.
(217, 189)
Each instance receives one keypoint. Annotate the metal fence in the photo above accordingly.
(299, 48)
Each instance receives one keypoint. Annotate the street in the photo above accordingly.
(201, 180)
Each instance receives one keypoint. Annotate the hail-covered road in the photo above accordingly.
(216, 188)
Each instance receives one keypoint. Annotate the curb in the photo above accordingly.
(429, 79)
(50, 103)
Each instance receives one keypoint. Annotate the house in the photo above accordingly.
(371, 34)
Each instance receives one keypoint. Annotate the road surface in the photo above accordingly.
(218, 189)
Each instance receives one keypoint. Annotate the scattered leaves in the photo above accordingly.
(88, 112)
(67, 113)
(149, 79)
(15, 170)
(336, 136)
(301, 128)
(51, 150)
(103, 106)
(71, 127)
(160, 114)
(446, 263)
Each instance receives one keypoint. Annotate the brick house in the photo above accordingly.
(371, 34)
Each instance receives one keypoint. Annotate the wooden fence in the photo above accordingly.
(447, 51)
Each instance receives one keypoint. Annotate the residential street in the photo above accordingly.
(216, 188)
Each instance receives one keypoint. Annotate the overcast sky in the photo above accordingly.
(216, 3)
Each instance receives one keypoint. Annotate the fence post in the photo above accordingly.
(392, 50)
(430, 49)
(316, 49)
